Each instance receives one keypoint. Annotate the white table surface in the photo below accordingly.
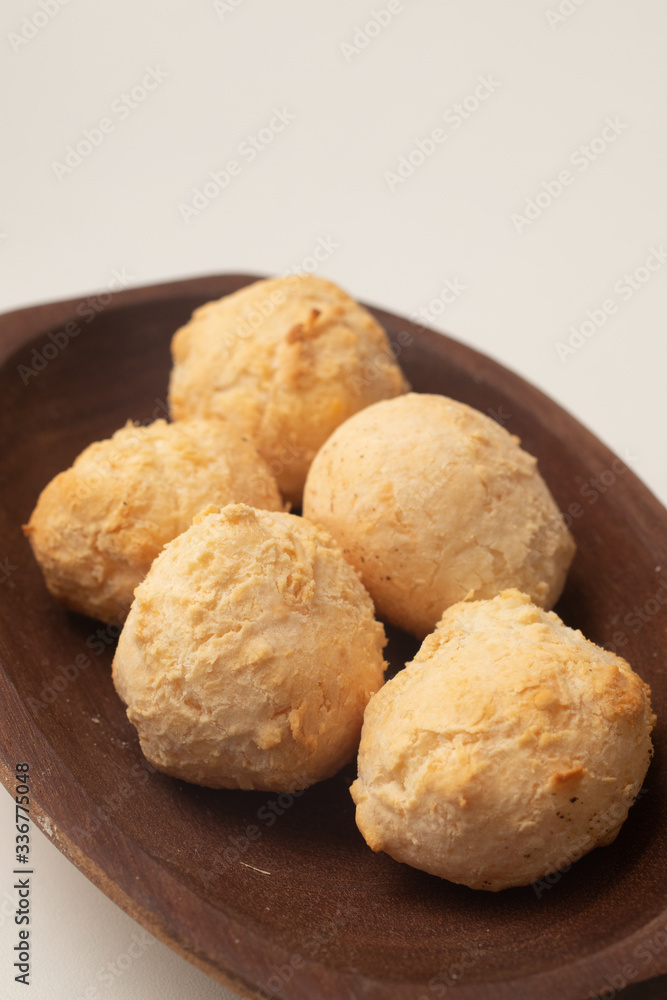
(220, 72)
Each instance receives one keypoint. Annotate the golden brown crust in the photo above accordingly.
(98, 526)
(507, 749)
(288, 360)
(250, 653)
(433, 502)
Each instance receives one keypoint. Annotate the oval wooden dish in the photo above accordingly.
(280, 894)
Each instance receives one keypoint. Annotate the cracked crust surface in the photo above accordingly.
(98, 526)
(507, 749)
(250, 653)
(433, 502)
(287, 360)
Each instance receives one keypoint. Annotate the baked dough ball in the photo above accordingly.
(250, 653)
(507, 749)
(288, 360)
(98, 526)
(433, 502)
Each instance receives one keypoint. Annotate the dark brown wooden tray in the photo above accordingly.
(331, 919)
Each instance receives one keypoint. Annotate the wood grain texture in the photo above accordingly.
(175, 856)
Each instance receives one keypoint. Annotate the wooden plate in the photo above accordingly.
(277, 893)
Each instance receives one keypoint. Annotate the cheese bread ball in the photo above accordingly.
(250, 653)
(508, 748)
(288, 360)
(433, 502)
(98, 526)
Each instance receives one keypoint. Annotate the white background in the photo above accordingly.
(554, 83)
